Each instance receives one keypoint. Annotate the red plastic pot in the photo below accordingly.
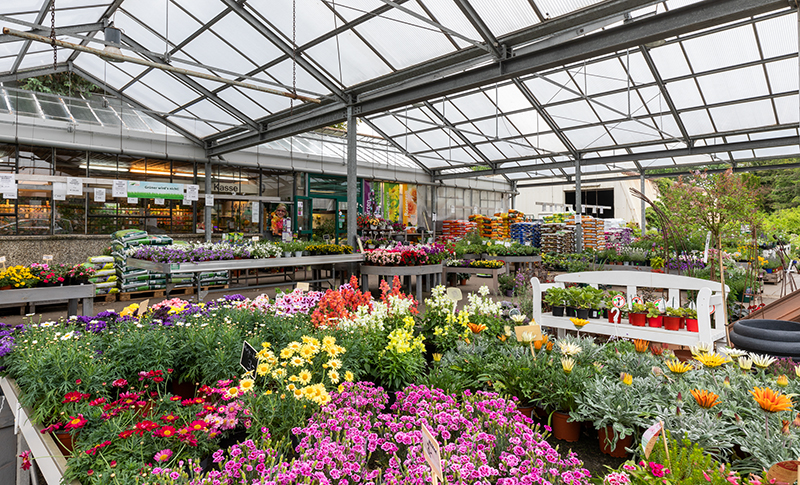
(683, 323)
(605, 435)
(612, 319)
(637, 319)
(565, 430)
(691, 325)
(672, 323)
(655, 322)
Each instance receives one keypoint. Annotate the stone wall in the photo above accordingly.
(69, 249)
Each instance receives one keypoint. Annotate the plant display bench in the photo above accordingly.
(709, 297)
(51, 294)
(243, 264)
(517, 262)
(494, 272)
(430, 272)
(48, 457)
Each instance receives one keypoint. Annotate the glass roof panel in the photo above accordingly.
(547, 141)
(684, 94)
(475, 105)
(723, 48)
(205, 10)
(448, 15)
(16, 6)
(150, 98)
(497, 128)
(550, 88)
(742, 116)
(697, 122)
(249, 41)
(734, 85)
(628, 132)
(208, 111)
(572, 114)
(504, 16)
(555, 8)
(787, 109)
(616, 106)
(209, 50)
(782, 75)
(133, 28)
(283, 74)
(196, 128)
(529, 122)
(591, 137)
(240, 98)
(358, 62)
(777, 152)
(168, 86)
(508, 98)
(772, 33)
(600, 77)
(670, 61)
(73, 16)
(437, 139)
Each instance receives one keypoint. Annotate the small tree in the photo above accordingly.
(719, 203)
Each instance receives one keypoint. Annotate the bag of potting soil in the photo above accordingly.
(128, 234)
(106, 272)
(127, 273)
(107, 284)
(102, 279)
(100, 259)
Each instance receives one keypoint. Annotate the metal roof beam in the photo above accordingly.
(39, 71)
(458, 134)
(675, 22)
(657, 76)
(163, 119)
(45, 31)
(106, 15)
(549, 121)
(27, 44)
(486, 34)
(633, 157)
(397, 146)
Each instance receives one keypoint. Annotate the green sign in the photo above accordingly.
(155, 190)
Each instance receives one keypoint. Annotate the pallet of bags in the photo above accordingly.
(104, 277)
(213, 278)
(181, 281)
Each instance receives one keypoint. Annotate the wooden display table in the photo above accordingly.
(494, 272)
(516, 261)
(50, 294)
(709, 297)
(425, 272)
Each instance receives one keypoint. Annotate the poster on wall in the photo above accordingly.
(377, 195)
(391, 202)
(153, 190)
(410, 204)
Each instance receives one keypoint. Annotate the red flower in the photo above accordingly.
(166, 432)
(90, 472)
(143, 426)
(77, 381)
(76, 422)
(26, 459)
(74, 396)
(97, 402)
(184, 432)
(126, 434)
(175, 398)
(113, 463)
(198, 425)
(169, 418)
(120, 383)
(199, 400)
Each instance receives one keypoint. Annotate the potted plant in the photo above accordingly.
(657, 263)
(772, 264)
(556, 298)
(654, 318)
(80, 273)
(672, 321)
(594, 298)
(567, 381)
(691, 319)
(638, 315)
(613, 313)
(506, 283)
(573, 297)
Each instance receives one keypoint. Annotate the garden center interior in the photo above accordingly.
(267, 162)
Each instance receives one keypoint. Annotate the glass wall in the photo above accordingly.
(458, 203)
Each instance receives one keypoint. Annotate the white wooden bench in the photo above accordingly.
(709, 296)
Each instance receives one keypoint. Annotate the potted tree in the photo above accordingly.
(556, 297)
(638, 315)
(654, 318)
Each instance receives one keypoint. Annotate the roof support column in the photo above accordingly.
(641, 189)
(578, 208)
(207, 208)
(352, 177)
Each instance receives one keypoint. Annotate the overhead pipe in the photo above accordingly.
(111, 56)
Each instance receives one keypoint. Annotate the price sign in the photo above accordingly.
(7, 182)
(159, 201)
(119, 188)
(99, 194)
(11, 193)
(708, 241)
(209, 200)
(192, 192)
(249, 359)
(661, 304)
(784, 472)
(133, 200)
(74, 186)
(650, 437)
(186, 201)
(618, 301)
(430, 448)
(255, 213)
(2, 259)
(256, 238)
(302, 286)
(47, 257)
(59, 191)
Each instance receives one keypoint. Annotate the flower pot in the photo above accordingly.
(655, 322)
(65, 442)
(582, 313)
(691, 325)
(605, 435)
(509, 293)
(526, 411)
(594, 313)
(563, 429)
(7, 287)
(672, 323)
(768, 270)
(463, 281)
(287, 254)
(683, 323)
(657, 270)
(571, 311)
(558, 311)
(614, 317)
(298, 254)
(637, 319)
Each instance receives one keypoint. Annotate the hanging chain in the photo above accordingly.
(53, 32)
(294, 54)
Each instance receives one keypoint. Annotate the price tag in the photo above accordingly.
(7, 181)
(784, 472)
(119, 188)
(74, 186)
(430, 448)
(256, 238)
(708, 241)
(452, 209)
(302, 286)
(159, 201)
(133, 200)
(59, 191)
(2, 259)
(661, 305)
(47, 257)
(192, 193)
(650, 437)
(11, 193)
(255, 211)
(209, 200)
(99, 194)
(186, 201)
(249, 359)
(618, 301)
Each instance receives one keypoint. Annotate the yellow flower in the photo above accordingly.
(286, 353)
(701, 348)
(747, 364)
(783, 380)
(438, 357)
(335, 364)
(333, 376)
(307, 352)
(569, 348)
(626, 378)
(266, 345)
(246, 385)
(797, 370)
(304, 376)
(298, 394)
(297, 361)
(771, 401)
(579, 322)
(678, 367)
(129, 310)
(348, 376)
(291, 387)
(567, 363)
(328, 341)
(279, 373)
(762, 361)
(294, 346)
(262, 369)
(294, 378)
(267, 393)
(233, 392)
(712, 360)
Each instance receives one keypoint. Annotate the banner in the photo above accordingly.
(410, 204)
(391, 202)
(155, 190)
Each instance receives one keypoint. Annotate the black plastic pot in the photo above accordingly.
(594, 313)
(582, 313)
(558, 311)
(571, 311)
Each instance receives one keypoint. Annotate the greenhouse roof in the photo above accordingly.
(518, 88)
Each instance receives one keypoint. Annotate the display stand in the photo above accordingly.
(516, 261)
(494, 272)
(424, 272)
(50, 294)
(240, 264)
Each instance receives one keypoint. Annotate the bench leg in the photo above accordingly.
(419, 287)
(88, 307)
(72, 306)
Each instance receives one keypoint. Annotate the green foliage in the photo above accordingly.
(62, 83)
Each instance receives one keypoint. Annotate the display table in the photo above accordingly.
(240, 264)
(517, 261)
(494, 272)
(424, 272)
(47, 456)
(50, 294)
(709, 297)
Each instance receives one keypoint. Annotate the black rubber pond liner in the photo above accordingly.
(780, 338)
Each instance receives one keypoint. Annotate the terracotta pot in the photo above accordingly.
(526, 411)
(558, 311)
(563, 429)
(7, 287)
(65, 442)
(691, 325)
(637, 319)
(605, 435)
(464, 282)
(655, 322)
(672, 323)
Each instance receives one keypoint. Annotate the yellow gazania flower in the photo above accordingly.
(263, 354)
(712, 360)
(438, 357)
(678, 367)
(626, 378)
(783, 380)
(762, 361)
(262, 369)
(348, 376)
(297, 361)
(746, 363)
(705, 399)
(246, 385)
(701, 348)
(771, 401)
(310, 341)
(333, 376)
(304, 376)
(579, 322)
(641, 345)
(567, 363)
